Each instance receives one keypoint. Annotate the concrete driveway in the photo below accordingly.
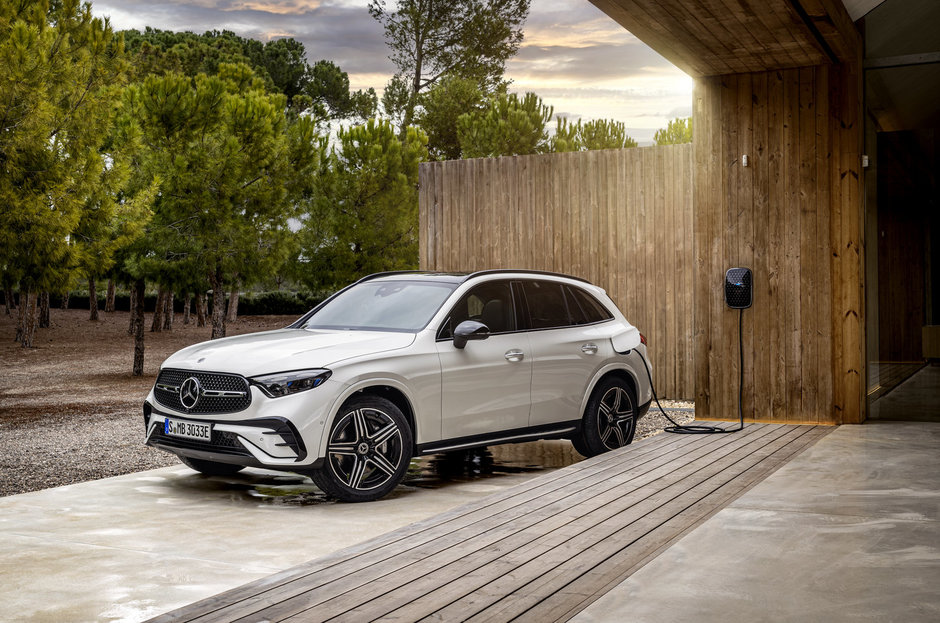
(131, 547)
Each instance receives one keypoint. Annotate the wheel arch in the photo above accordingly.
(382, 388)
(623, 373)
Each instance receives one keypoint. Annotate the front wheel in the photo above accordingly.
(368, 452)
(610, 418)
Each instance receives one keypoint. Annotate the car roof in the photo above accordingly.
(458, 277)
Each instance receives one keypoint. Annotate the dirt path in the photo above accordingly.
(70, 409)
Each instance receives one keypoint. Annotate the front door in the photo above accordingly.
(485, 385)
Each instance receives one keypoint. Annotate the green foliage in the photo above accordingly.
(56, 62)
(509, 126)
(365, 214)
(231, 172)
(598, 134)
(430, 39)
(163, 51)
(329, 89)
(281, 64)
(677, 131)
(440, 107)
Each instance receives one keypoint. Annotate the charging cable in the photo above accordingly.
(698, 429)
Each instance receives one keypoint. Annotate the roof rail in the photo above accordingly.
(549, 273)
(388, 273)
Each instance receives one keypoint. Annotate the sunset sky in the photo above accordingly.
(574, 57)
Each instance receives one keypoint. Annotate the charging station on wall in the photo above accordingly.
(739, 295)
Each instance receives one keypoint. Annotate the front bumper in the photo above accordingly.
(278, 433)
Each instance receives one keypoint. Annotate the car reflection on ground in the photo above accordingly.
(438, 471)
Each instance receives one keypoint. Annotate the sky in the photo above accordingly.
(576, 58)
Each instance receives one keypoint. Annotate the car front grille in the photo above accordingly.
(168, 383)
(223, 442)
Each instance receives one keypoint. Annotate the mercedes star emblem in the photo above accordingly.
(190, 392)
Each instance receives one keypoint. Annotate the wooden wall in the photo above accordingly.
(620, 218)
(793, 216)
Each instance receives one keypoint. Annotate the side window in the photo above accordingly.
(584, 308)
(489, 303)
(546, 304)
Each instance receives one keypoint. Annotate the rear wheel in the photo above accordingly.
(211, 468)
(368, 452)
(609, 420)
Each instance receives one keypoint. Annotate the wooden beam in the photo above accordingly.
(905, 60)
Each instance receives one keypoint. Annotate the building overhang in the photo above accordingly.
(717, 37)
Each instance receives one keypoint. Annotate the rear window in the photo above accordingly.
(584, 308)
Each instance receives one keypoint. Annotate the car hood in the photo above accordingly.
(284, 349)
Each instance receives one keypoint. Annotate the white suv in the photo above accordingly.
(403, 364)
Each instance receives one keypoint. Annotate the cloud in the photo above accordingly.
(573, 55)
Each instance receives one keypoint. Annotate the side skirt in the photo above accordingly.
(560, 430)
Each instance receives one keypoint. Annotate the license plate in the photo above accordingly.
(190, 430)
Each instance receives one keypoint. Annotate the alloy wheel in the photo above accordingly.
(365, 449)
(616, 418)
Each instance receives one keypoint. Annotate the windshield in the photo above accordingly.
(383, 306)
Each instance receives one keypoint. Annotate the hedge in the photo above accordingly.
(275, 303)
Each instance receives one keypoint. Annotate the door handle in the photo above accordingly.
(589, 349)
(514, 355)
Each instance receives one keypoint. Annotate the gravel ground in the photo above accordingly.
(54, 430)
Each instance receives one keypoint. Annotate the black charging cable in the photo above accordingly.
(699, 429)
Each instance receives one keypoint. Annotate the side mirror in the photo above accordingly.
(470, 330)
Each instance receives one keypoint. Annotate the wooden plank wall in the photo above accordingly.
(621, 219)
(793, 216)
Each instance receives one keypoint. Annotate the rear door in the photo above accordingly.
(566, 351)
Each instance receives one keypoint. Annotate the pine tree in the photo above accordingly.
(677, 131)
(231, 169)
(365, 215)
(509, 126)
(56, 62)
(430, 39)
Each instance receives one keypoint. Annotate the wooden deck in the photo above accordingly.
(543, 550)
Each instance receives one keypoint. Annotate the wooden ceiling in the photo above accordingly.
(715, 37)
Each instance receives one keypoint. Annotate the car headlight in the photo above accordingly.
(287, 383)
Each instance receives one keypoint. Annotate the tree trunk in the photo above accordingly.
(168, 311)
(9, 300)
(21, 319)
(92, 300)
(157, 324)
(137, 313)
(218, 305)
(65, 300)
(187, 303)
(44, 310)
(29, 325)
(109, 301)
(200, 309)
(232, 314)
(132, 309)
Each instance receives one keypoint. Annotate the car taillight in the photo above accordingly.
(642, 339)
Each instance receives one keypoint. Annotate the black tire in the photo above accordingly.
(211, 468)
(368, 451)
(578, 442)
(610, 418)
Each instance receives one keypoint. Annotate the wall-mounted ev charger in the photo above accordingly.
(739, 294)
(738, 291)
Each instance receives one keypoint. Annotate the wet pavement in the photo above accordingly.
(132, 547)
